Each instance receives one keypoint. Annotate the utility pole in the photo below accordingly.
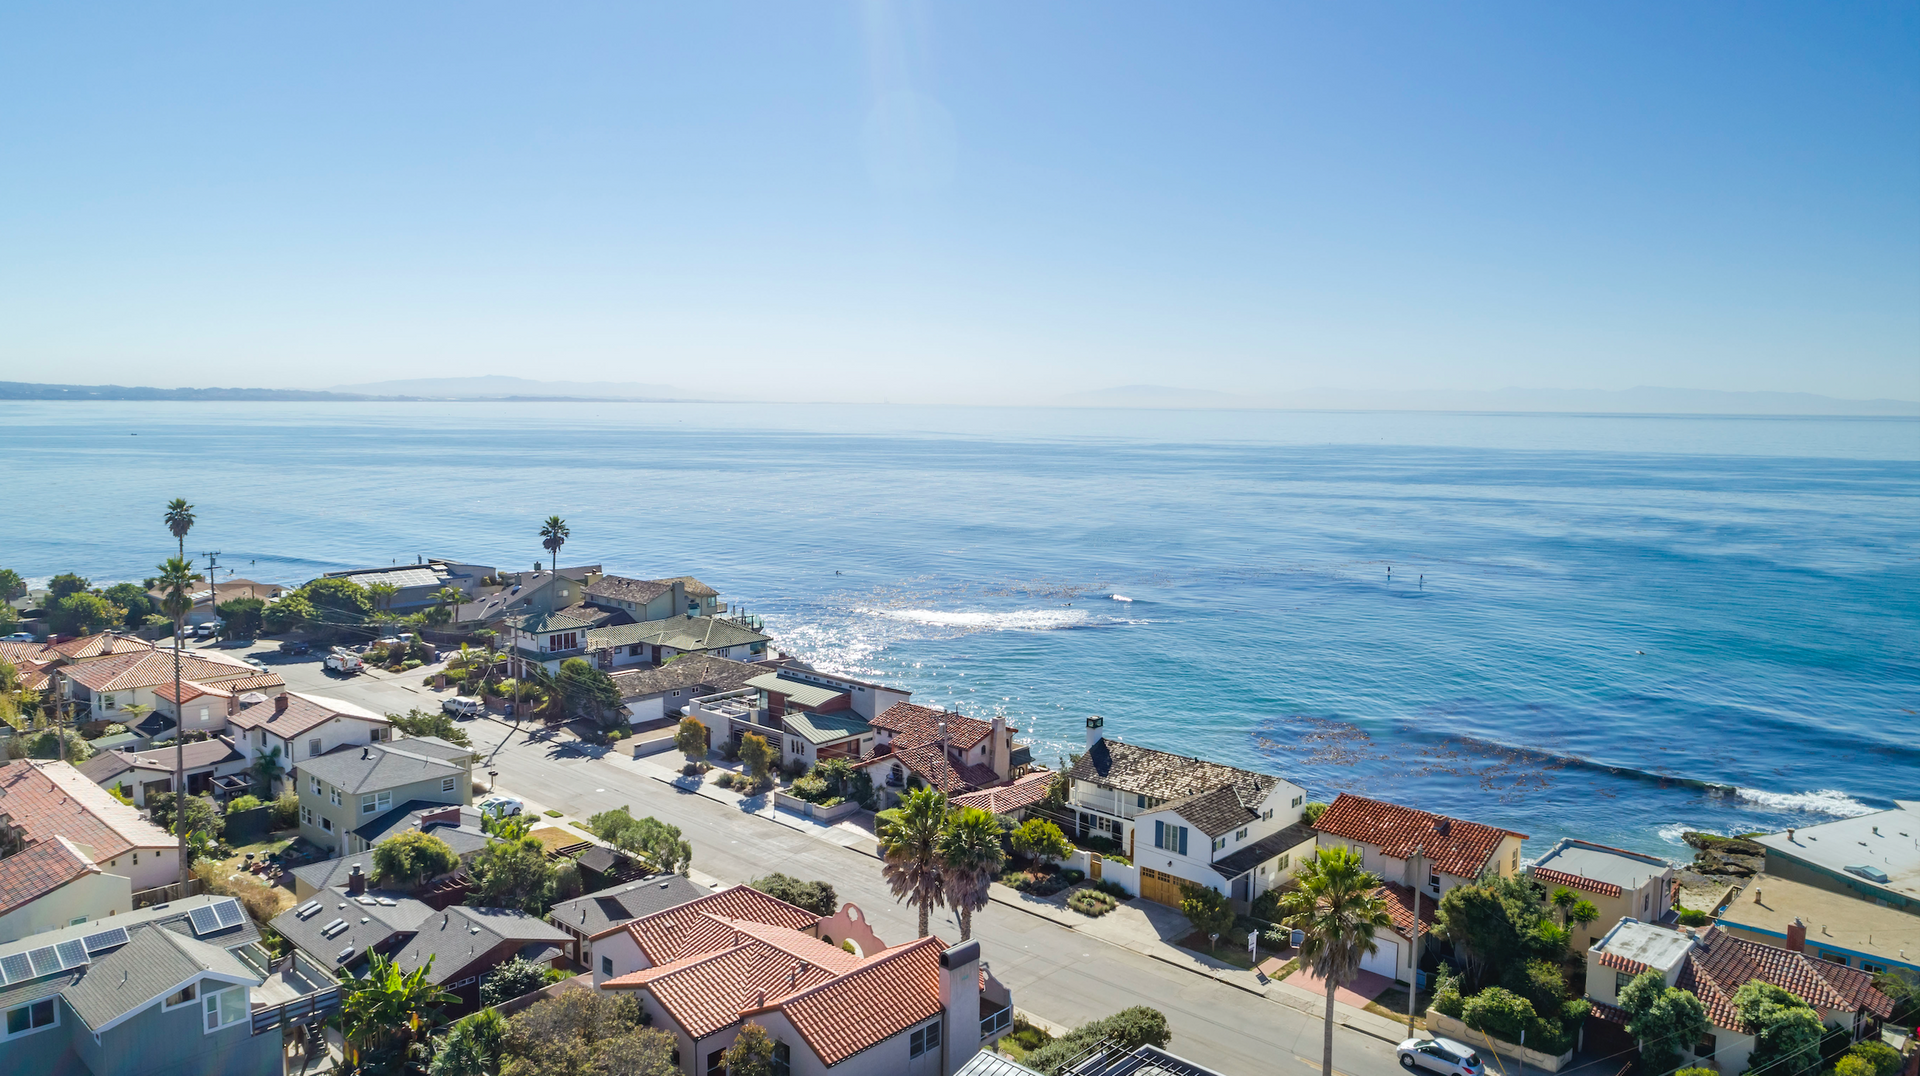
(213, 586)
(1413, 973)
(58, 699)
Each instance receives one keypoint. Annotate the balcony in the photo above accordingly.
(296, 992)
(994, 1020)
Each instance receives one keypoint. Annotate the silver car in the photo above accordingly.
(1439, 1055)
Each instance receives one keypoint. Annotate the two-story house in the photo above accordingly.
(1186, 821)
(1619, 883)
(1713, 965)
(641, 599)
(864, 697)
(704, 969)
(44, 800)
(523, 593)
(456, 826)
(547, 637)
(104, 687)
(350, 786)
(617, 646)
(651, 694)
(917, 745)
(293, 727)
(178, 989)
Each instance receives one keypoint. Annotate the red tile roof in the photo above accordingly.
(706, 992)
(1006, 799)
(100, 644)
(890, 992)
(303, 712)
(690, 929)
(935, 768)
(1720, 964)
(1575, 881)
(1454, 846)
(190, 690)
(1620, 963)
(1400, 906)
(41, 868)
(921, 725)
(150, 668)
(37, 806)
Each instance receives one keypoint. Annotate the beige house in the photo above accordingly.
(341, 790)
(1836, 926)
(41, 801)
(1419, 849)
(54, 884)
(291, 727)
(106, 686)
(1619, 883)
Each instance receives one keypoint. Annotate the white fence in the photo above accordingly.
(1126, 877)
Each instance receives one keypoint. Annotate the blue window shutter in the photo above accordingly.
(1159, 834)
(1183, 840)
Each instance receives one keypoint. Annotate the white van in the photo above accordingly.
(463, 706)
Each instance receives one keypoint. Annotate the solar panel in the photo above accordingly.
(72, 953)
(106, 939)
(333, 928)
(310, 908)
(16, 968)
(229, 912)
(45, 961)
(205, 921)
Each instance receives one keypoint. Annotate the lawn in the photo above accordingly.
(274, 843)
(554, 837)
(1392, 1003)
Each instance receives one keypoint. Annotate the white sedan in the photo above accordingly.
(1439, 1055)
(505, 806)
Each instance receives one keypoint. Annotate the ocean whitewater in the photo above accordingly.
(1613, 627)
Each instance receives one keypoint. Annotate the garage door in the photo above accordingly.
(1160, 888)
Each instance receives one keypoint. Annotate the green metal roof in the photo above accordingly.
(798, 692)
(820, 729)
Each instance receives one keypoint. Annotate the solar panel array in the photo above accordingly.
(105, 939)
(46, 960)
(220, 915)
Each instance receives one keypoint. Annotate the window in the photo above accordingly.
(326, 823)
(1281, 863)
(1170, 838)
(76, 922)
(313, 747)
(1242, 835)
(1620, 981)
(447, 784)
(1219, 843)
(107, 701)
(1871, 968)
(136, 859)
(333, 796)
(1266, 815)
(1705, 1047)
(313, 784)
(1296, 801)
(1516, 859)
(1832, 957)
(228, 1006)
(924, 1040)
(606, 965)
(1140, 800)
(1433, 879)
(782, 1059)
(306, 816)
(377, 802)
(181, 997)
(32, 1017)
(717, 1063)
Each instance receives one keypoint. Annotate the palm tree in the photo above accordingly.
(1564, 899)
(449, 598)
(553, 535)
(970, 859)
(912, 867)
(1337, 907)
(386, 1012)
(180, 521)
(1583, 913)
(176, 580)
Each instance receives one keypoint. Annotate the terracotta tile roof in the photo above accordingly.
(1007, 799)
(1620, 963)
(933, 766)
(150, 668)
(1165, 776)
(1400, 906)
(303, 712)
(190, 690)
(100, 644)
(678, 932)
(706, 992)
(1574, 881)
(41, 868)
(890, 992)
(18, 654)
(42, 808)
(1719, 964)
(921, 725)
(1455, 847)
(259, 681)
(1610, 1014)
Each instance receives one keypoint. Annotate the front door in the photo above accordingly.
(1160, 888)
(1093, 866)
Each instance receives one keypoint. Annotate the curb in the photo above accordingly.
(1155, 956)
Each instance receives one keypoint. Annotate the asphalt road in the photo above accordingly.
(1061, 975)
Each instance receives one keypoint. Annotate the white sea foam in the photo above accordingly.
(1120, 597)
(1820, 801)
(1672, 834)
(1017, 620)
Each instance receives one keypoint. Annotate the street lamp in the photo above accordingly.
(493, 780)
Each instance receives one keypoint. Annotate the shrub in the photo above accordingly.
(1041, 840)
(410, 858)
(1499, 1012)
(1113, 889)
(725, 780)
(510, 979)
(810, 788)
(1695, 1071)
(1129, 1028)
(1883, 1059)
(243, 803)
(1694, 917)
(816, 897)
(286, 810)
(1313, 811)
(1207, 909)
(1092, 902)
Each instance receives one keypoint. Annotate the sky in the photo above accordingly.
(978, 202)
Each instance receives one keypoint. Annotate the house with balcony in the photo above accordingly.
(290, 727)
(1187, 821)
(656, 642)
(177, 989)
(547, 637)
(1713, 965)
(915, 746)
(656, 599)
(213, 767)
(864, 697)
(516, 594)
(416, 586)
(343, 790)
(705, 968)
(103, 687)
(1619, 883)
(656, 693)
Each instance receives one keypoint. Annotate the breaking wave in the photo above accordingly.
(1019, 620)
(1120, 597)
(1820, 801)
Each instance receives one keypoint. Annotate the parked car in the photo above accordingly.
(295, 647)
(463, 706)
(20, 637)
(345, 662)
(504, 806)
(1439, 1055)
(256, 663)
(203, 631)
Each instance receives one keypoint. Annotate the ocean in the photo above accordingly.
(1615, 627)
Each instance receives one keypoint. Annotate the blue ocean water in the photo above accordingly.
(1615, 627)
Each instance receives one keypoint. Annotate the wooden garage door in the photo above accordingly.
(1160, 888)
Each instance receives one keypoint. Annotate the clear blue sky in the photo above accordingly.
(980, 200)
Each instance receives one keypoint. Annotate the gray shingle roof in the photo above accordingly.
(625, 902)
(435, 747)
(1214, 812)
(704, 672)
(681, 633)
(332, 872)
(1273, 844)
(621, 588)
(154, 962)
(465, 838)
(1143, 770)
(383, 923)
(456, 937)
(212, 751)
(371, 767)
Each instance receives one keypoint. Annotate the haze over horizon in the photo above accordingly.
(994, 203)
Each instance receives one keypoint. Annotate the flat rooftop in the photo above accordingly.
(1885, 841)
(1656, 947)
(1628, 870)
(1769, 905)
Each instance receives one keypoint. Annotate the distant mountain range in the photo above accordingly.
(22, 390)
(1644, 400)
(497, 387)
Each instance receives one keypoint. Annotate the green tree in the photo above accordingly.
(1500, 1013)
(654, 841)
(1872, 1057)
(1564, 899)
(290, 613)
(585, 690)
(690, 738)
(134, 599)
(1489, 923)
(1207, 909)
(340, 606)
(83, 614)
(407, 859)
(1128, 1029)
(970, 859)
(179, 519)
(386, 1015)
(1663, 1018)
(244, 617)
(202, 815)
(553, 535)
(11, 585)
(912, 856)
(1041, 840)
(1582, 913)
(751, 1053)
(175, 584)
(445, 601)
(440, 726)
(513, 874)
(1335, 907)
(64, 584)
(474, 1046)
(758, 756)
(586, 1033)
(1312, 812)
(1786, 1030)
(816, 897)
(511, 978)
(268, 767)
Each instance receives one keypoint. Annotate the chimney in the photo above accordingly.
(1789, 834)
(233, 705)
(679, 599)
(444, 816)
(998, 749)
(960, 1000)
(1442, 824)
(356, 881)
(280, 703)
(1094, 725)
(1797, 935)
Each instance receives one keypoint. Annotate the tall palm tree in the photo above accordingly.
(180, 521)
(553, 535)
(176, 583)
(912, 867)
(1336, 907)
(970, 859)
(448, 599)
